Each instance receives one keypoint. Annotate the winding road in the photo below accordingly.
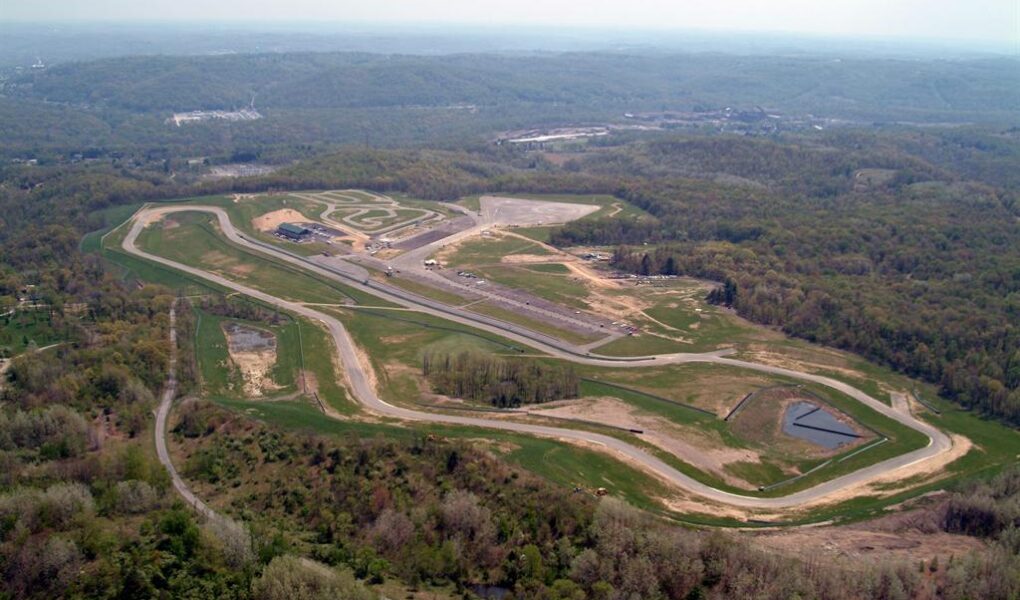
(162, 414)
(363, 392)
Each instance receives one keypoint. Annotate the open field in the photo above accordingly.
(532, 323)
(25, 329)
(487, 250)
(222, 368)
(554, 287)
(303, 368)
(608, 206)
(192, 239)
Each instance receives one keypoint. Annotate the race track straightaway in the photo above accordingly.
(362, 391)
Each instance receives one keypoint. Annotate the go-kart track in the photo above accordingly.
(363, 392)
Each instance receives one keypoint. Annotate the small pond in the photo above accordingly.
(816, 424)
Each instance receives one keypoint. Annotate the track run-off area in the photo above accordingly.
(360, 388)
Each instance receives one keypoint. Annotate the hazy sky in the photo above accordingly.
(985, 20)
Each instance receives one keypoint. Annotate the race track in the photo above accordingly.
(363, 392)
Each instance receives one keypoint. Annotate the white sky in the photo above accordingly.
(979, 20)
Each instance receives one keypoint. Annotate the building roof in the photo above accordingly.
(293, 229)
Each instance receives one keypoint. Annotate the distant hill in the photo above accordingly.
(981, 90)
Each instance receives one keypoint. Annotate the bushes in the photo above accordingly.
(43, 568)
(34, 510)
(55, 432)
(986, 509)
(134, 497)
(290, 578)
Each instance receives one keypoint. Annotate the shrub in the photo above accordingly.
(290, 578)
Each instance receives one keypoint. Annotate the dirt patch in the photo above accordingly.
(215, 258)
(270, 221)
(171, 223)
(242, 270)
(701, 449)
(104, 428)
(900, 402)
(398, 339)
(817, 359)
(909, 536)
(529, 259)
(253, 352)
(697, 505)
(308, 382)
(366, 366)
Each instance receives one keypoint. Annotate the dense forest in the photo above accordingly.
(920, 272)
(504, 383)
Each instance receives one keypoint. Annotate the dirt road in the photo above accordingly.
(162, 414)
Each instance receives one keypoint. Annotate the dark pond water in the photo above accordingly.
(814, 423)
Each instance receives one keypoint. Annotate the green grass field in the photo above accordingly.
(28, 329)
(490, 251)
(395, 342)
(301, 346)
(555, 287)
(552, 268)
(426, 291)
(213, 356)
(195, 242)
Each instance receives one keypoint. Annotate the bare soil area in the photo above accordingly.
(270, 221)
(253, 352)
(698, 448)
(530, 259)
(911, 536)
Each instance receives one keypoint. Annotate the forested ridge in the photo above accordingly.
(312, 103)
(920, 88)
